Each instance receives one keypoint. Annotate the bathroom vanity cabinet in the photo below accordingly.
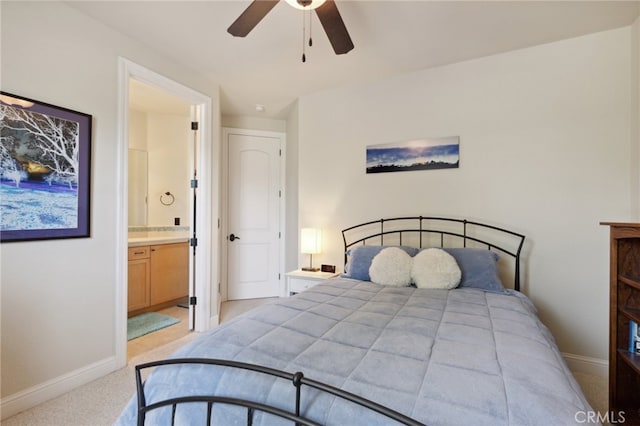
(139, 278)
(158, 276)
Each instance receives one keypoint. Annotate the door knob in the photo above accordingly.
(233, 237)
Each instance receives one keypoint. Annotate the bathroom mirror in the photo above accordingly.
(137, 187)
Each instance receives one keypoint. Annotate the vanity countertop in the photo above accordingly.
(156, 237)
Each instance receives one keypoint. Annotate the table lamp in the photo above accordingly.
(310, 243)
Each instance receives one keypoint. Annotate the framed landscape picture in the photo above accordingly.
(419, 154)
(45, 176)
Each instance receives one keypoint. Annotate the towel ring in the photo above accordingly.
(167, 199)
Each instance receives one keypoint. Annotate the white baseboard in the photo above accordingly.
(595, 366)
(29, 398)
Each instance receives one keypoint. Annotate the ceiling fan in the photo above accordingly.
(326, 10)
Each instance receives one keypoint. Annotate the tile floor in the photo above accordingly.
(163, 336)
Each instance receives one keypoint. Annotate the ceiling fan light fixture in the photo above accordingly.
(306, 4)
(326, 11)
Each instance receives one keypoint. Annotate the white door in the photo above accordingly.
(254, 216)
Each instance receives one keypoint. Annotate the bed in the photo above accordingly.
(357, 351)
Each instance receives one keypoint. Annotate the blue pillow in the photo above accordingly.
(360, 258)
(479, 268)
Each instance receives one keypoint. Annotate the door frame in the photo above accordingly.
(203, 277)
(224, 229)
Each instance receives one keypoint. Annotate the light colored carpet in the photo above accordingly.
(96, 403)
(596, 390)
(100, 402)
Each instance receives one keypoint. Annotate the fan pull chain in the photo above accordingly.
(304, 57)
(310, 39)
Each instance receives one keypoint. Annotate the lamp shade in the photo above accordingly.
(310, 241)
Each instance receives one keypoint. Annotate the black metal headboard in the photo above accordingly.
(422, 232)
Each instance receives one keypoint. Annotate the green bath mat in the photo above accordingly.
(148, 323)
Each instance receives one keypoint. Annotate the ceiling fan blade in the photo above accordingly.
(334, 27)
(251, 17)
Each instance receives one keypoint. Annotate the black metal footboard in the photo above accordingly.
(297, 380)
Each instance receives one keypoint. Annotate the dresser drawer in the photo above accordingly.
(141, 252)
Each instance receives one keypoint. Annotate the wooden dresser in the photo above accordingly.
(624, 305)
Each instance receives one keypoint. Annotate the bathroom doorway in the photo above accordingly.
(169, 126)
(159, 218)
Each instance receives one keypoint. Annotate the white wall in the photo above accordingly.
(544, 147)
(293, 138)
(253, 123)
(635, 119)
(58, 318)
(169, 147)
(167, 140)
(137, 130)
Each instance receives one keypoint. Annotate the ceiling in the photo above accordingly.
(390, 37)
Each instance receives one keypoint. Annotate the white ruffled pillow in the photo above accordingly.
(392, 267)
(435, 268)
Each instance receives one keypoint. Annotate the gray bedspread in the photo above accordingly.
(443, 357)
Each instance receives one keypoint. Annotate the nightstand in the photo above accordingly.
(300, 280)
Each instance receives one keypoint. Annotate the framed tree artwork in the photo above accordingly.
(45, 177)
